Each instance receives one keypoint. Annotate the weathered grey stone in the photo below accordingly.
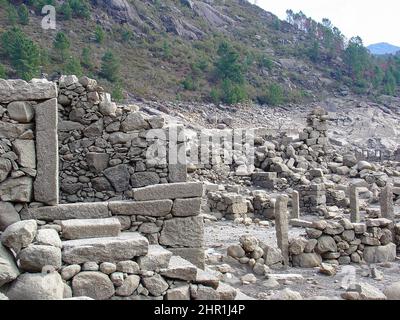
(118, 177)
(295, 214)
(287, 294)
(97, 162)
(379, 254)
(207, 277)
(282, 227)
(186, 207)
(26, 152)
(392, 292)
(20, 90)
(19, 235)
(157, 258)
(70, 271)
(369, 292)
(193, 255)
(46, 183)
(48, 237)
(271, 255)
(177, 172)
(179, 293)
(155, 284)
(236, 251)
(169, 191)
(226, 292)
(354, 205)
(90, 228)
(128, 266)
(307, 260)
(108, 267)
(157, 208)
(13, 130)
(16, 190)
(134, 121)
(20, 111)
(8, 215)
(34, 257)
(8, 268)
(68, 211)
(204, 293)
(5, 168)
(95, 129)
(326, 244)
(181, 269)
(142, 179)
(249, 243)
(183, 232)
(90, 266)
(3, 297)
(129, 285)
(127, 246)
(37, 286)
(92, 284)
(386, 202)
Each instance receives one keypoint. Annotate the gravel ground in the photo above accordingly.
(220, 235)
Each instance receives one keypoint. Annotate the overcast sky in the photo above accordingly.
(373, 21)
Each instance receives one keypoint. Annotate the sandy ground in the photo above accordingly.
(220, 235)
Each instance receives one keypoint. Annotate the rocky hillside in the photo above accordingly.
(172, 49)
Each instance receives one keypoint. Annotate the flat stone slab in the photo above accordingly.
(20, 90)
(380, 254)
(169, 191)
(183, 232)
(186, 207)
(90, 228)
(157, 258)
(68, 211)
(300, 223)
(124, 247)
(156, 208)
(181, 269)
(207, 278)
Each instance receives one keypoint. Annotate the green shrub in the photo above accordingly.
(61, 44)
(110, 67)
(23, 53)
(66, 11)
(3, 73)
(86, 58)
(274, 95)
(117, 93)
(73, 66)
(99, 34)
(23, 14)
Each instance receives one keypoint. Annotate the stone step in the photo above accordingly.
(90, 228)
(126, 246)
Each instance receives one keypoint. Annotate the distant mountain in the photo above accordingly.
(383, 48)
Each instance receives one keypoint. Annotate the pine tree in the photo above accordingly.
(61, 44)
(110, 67)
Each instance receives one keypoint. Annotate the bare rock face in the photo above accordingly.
(92, 284)
(37, 286)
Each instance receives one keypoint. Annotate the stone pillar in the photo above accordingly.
(354, 205)
(386, 202)
(282, 227)
(295, 205)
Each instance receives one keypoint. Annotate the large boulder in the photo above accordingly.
(134, 121)
(379, 254)
(118, 177)
(20, 111)
(92, 284)
(142, 179)
(8, 268)
(19, 235)
(34, 257)
(37, 286)
(156, 285)
(307, 260)
(392, 292)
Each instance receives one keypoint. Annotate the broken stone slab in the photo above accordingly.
(207, 278)
(37, 286)
(48, 237)
(8, 267)
(26, 152)
(13, 130)
(379, 254)
(169, 191)
(300, 223)
(124, 247)
(46, 185)
(92, 284)
(226, 292)
(293, 277)
(179, 293)
(90, 228)
(156, 258)
(68, 211)
(193, 255)
(183, 232)
(180, 269)
(157, 208)
(307, 260)
(17, 190)
(20, 90)
(186, 207)
(156, 285)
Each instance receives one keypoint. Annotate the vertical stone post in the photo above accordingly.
(386, 202)
(354, 205)
(282, 227)
(295, 205)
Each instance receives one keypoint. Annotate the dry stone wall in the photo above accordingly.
(107, 150)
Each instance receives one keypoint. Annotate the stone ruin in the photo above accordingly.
(83, 214)
(86, 213)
